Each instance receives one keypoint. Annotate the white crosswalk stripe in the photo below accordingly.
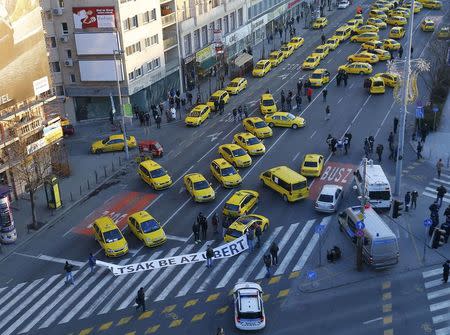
(46, 302)
(438, 295)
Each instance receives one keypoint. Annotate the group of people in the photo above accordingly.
(339, 145)
(240, 113)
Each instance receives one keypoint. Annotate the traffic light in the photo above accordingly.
(396, 209)
(438, 238)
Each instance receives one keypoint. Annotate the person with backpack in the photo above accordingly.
(69, 276)
(140, 299)
(250, 238)
(268, 263)
(209, 256)
(258, 233)
(274, 253)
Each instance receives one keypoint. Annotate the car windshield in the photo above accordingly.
(379, 195)
(285, 48)
(112, 235)
(252, 141)
(259, 66)
(233, 84)
(231, 207)
(201, 185)
(239, 152)
(268, 102)
(273, 56)
(214, 98)
(299, 186)
(149, 226)
(325, 198)
(339, 33)
(310, 164)
(105, 141)
(157, 173)
(260, 124)
(234, 233)
(194, 114)
(316, 76)
(228, 171)
(290, 116)
(310, 59)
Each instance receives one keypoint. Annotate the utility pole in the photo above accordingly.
(124, 132)
(360, 232)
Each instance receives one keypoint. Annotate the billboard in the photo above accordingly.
(23, 54)
(93, 17)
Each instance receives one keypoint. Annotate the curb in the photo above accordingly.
(60, 215)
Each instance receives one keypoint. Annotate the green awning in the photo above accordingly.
(207, 63)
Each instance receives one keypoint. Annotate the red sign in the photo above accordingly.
(93, 17)
(293, 3)
(333, 173)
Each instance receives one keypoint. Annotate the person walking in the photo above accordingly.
(441, 191)
(203, 226)
(419, 150)
(251, 238)
(327, 113)
(268, 263)
(220, 331)
(414, 196)
(348, 136)
(158, 121)
(240, 111)
(69, 276)
(298, 101)
(395, 124)
(215, 223)
(299, 87)
(221, 106)
(338, 79)
(345, 145)
(379, 151)
(92, 261)
(407, 200)
(289, 102)
(412, 50)
(258, 233)
(196, 231)
(324, 94)
(400, 51)
(439, 166)
(445, 271)
(140, 299)
(209, 256)
(323, 38)
(282, 100)
(345, 78)
(226, 222)
(391, 140)
(245, 111)
(274, 253)
(235, 114)
(306, 86)
(309, 93)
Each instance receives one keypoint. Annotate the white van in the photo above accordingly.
(377, 185)
(380, 247)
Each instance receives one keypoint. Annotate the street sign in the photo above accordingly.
(127, 110)
(359, 233)
(360, 225)
(427, 222)
(361, 216)
(435, 109)
(419, 112)
(319, 229)
(312, 275)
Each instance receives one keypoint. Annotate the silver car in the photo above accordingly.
(248, 306)
(329, 198)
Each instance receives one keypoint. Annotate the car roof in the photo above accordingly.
(280, 113)
(312, 157)
(245, 135)
(373, 222)
(266, 96)
(195, 177)
(105, 223)
(231, 146)
(116, 136)
(319, 70)
(241, 194)
(219, 92)
(288, 172)
(238, 79)
(263, 61)
(150, 165)
(254, 119)
(199, 107)
(222, 162)
(330, 189)
(141, 216)
(247, 285)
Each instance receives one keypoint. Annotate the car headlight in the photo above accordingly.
(148, 240)
(109, 250)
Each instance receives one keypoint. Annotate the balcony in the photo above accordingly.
(169, 43)
(7, 137)
(27, 128)
(164, 1)
(168, 20)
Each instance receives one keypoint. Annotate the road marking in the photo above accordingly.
(190, 303)
(168, 309)
(212, 275)
(283, 293)
(182, 175)
(175, 323)
(206, 154)
(274, 280)
(198, 317)
(176, 212)
(432, 273)
(387, 308)
(295, 157)
(52, 259)
(154, 201)
(177, 238)
(124, 321)
(214, 136)
(339, 51)
(86, 331)
(314, 133)
(231, 131)
(339, 101)
(373, 320)
(438, 293)
(213, 297)
(441, 318)
(385, 117)
(152, 329)
(387, 296)
(105, 326)
(146, 315)
(222, 310)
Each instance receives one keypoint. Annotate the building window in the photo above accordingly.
(131, 49)
(51, 41)
(211, 31)
(61, 3)
(131, 75)
(138, 72)
(225, 25)
(240, 17)
(134, 22)
(232, 22)
(187, 44)
(147, 42)
(249, 13)
(69, 53)
(149, 66)
(59, 91)
(72, 78)
(153, 14)
(197, 39)
(219, 24)
(146, 17)
(126, 24)
(154, 39)
(204, 35)
(65, 29)
(55, 67)
(156, 63)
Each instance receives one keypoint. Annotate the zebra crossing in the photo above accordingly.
(438, 295)
(430, 189)
(47, 302)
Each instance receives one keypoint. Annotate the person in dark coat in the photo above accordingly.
(215, 223)
(348, 136)
(69, 276)
(298, 100)
(400, 51)
(282, 100)
(274, 253)
(203, 226)
(324, 94)
(299, 87)
(445, 271)
(407, 200)
(414, 196)
(419, 150)
(140, 299)
(395, 124)
(391, 140)
(251, 238)
(268, 263)
(258, 233)
(92, 261)
(379, 151)
(345, 78)
(209, 256)
(196, 231)
(441, 191)
(158, 121)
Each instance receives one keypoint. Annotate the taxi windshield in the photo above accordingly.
(310, 164)
(149, 226)
(157, 173)
(339, 33)
(268, 102)
(252, 141)
(214, 98)
(290, 116)
(260, 124)
(310, 59)
(112, 236)
(239, 152)
(319, 50)
(273, 56)
(201, 185)
(231, 207)
(228, 171)
(285, 48)
(259, 66)
(299, 186)
(316, 76)
(106, 140)
(234, 232)
(233, 84)
(194, 114)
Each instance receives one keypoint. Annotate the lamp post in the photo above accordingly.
(119, 93)
(360, 224)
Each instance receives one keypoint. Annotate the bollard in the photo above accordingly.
(80, 190)
(88, 185)
(104, 169)
(96, 177)
(71, 196)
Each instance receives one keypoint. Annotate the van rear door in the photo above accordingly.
(384, 252)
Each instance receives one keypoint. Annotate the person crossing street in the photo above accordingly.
(445, 271)
(196, 232)
(414, 196)
(299, 87)
(268, 263)
(69, 276)
(327, 113)
(324, 94)
(309, 93)
(274, 253)
(298, 100)
(282, 100)
(379, 151)
(140, 299)
(209, 256)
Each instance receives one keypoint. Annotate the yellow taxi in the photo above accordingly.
(343, 33)
(379, 6)
(417, 6)
(381, 53)
(319, 77)
(240, 227)
(291, 185)
(375, 85)
(364, 57)
(390, 79)
(267, 104)
(236, 85)
(321, 51)
(386, 4)
(296, 42)
(390, 44)
(320, 22)
(219, 95)
(276, 57)
(147, 229)
(373, 21)
(235, 155)
(444, 33)
(225, 173)
(261, 68)
(332, 43)
(257, 127)
(113, 143)
(240, 203)
(109, 236)
(357, 68)
(366, 29)
(404, 12)
(311, 62)
(312, 165)
(364, 37)
(154, 174)
(198, 187)
(197, 115)
(432, 4)
(397, 32)
(284, 119)
(379, 14)
(359, 18)
(427, 25)
(396, 20)
(249, 143)
(371, 45)
(287, 50)
(353, 24)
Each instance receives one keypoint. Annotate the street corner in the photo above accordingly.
(333, 173)
(118, 207)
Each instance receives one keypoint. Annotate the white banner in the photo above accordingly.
(224, 251)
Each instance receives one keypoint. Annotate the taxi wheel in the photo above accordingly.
(351, 60)
(294, 126)
(98, 151)
(361, 72)
(285, 198)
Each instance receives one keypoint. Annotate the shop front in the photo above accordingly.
(189, 67)
(205, 60)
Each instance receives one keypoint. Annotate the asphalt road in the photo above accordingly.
(98, 298)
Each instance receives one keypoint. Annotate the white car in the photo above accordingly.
(248, 306)
(329, 198)
(343, 4)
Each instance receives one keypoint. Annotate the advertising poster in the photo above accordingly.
(93, 17)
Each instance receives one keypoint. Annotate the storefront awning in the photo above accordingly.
(207, 63)
(242, 59)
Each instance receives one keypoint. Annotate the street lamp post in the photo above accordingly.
(119, 93)
(360, 224)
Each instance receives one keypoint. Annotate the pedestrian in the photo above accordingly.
(203, 226)
(141, 118)
(69, 276)
(445, 271)
(407, 200)
(419, 150)
(158, 121)
(333, 146)
(258, 233)
(340, 146)
(391, 140)
(324, 94)
(250, 238)
(323, 38)
(196, 231)
(189, 98)
(328, 141)
(338, 79)
(349, 138)
(140, 299)
(221, 107)
(412, 50)
(235, 112)
(215, 223)
(240, 112)
(289, 102)
(298, 19)
(395, 124)
(306, 86)
(274, 253)
(423, 133)
(147, 119)
(92, 261)
(327, 113)
(220, 331)
(298, 100)
(299, 87)
(414, 196)
(268, 263)
(345, 145)
(309, 94)
(283, 100)
(400, 51)
(345, 78)
(209, 256)
(245, 111)
(439, 166)
(441, 191)
(216, 106)
(379, 151)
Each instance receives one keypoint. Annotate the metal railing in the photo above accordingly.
(169, 42)
(167, 20)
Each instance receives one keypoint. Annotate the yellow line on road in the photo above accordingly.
(131, 333)
(105, 326)
(175, 323)
(387, 308)
(168, 309)
(265, 297)
(283, 293)
(213, 297)
(294, 274)
(222, 310)
(389, 332)
(189, 303)
(124, 321)
(386, 285)
(274, 280)
(152, 329)
(146, 315)
(387, 320)
(86, 331)
(198, 317)
(387, 296)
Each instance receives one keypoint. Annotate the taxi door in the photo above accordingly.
(215, 170)
(227, 154)
(326, 77)
(99, 235)
(145, 175)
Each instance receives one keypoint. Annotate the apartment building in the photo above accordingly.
(97, 46)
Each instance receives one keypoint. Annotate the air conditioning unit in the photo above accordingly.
(58, 11)
(64, 38)
(68, 62)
